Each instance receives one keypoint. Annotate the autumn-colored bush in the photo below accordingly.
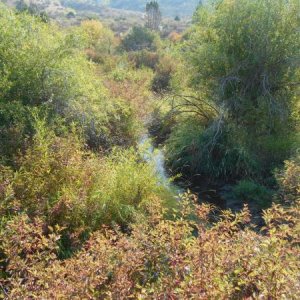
(174, 37)
(160, 259)
(144, 58)
(132, 88)
(289, 180)
(164, 71)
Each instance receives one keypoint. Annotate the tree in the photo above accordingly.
(32, 9)
(153, 15)
(21, 6)
(71, 14)
(246, 54)
(139, 39)
(99, 37)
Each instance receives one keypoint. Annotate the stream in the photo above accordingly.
(218, 196)
(156, 157)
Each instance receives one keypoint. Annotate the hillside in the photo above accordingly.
(53, 8)
(168, 7)
(117, 15)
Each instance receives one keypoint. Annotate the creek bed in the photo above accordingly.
(215, 195)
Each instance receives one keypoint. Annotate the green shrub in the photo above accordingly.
(234, 53)
(140, 38)
(15, 125)
(61, 182)
(251, 191)
(99, 39)
(243, 68)
(46, 68)
(34, 69)
(274, 149)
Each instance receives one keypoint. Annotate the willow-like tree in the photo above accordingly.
(244, 60)
(153, 15)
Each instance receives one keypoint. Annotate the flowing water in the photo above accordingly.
(156, 157)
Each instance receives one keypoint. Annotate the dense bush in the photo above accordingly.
(244, 68)
(34, 71)
(100, 40)
(59, 181)
(14, 126)
(144, 58)
(174, 37)
(140, 38)
(241, 57)
(193, 149)
(289, 180)
(162, 80)
(163, 65)
(131, 86)
(44, 67)
(160, 259)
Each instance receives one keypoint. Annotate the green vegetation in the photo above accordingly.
(90, 209)
(140, 39)
(252, 192)
(72, 187)
(46, 69)
(242, 57)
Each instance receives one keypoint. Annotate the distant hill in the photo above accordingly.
(119, 15)
(170, 8)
